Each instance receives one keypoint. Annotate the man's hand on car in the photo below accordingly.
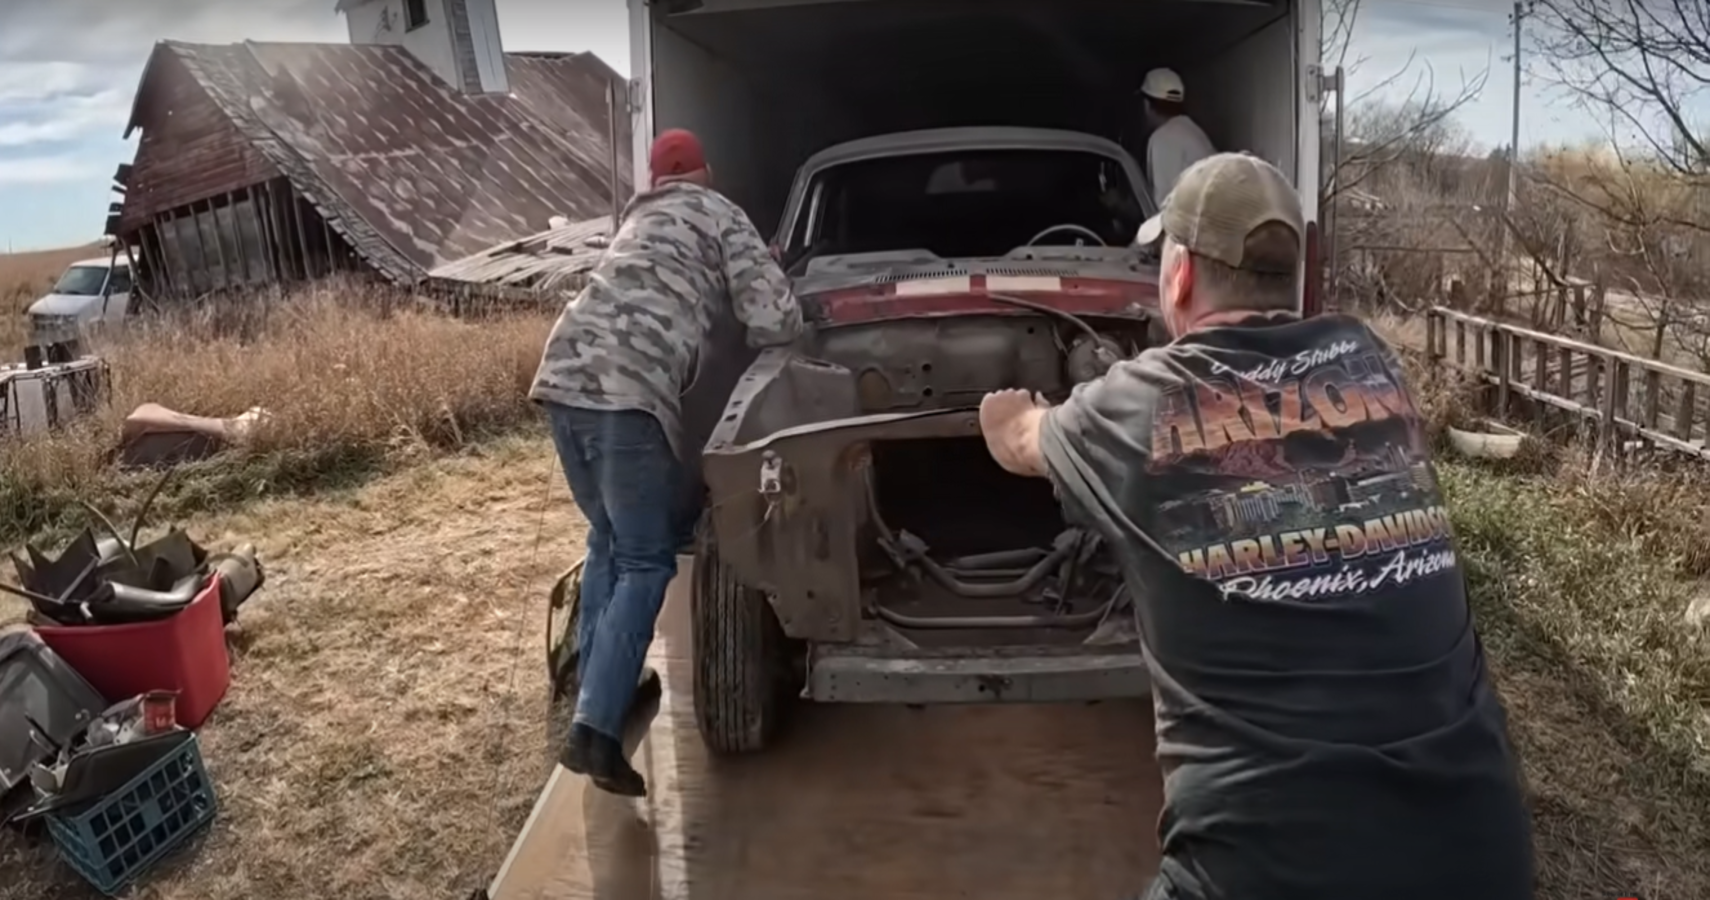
(1009, 420)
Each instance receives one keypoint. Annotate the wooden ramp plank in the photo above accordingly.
(857, 802)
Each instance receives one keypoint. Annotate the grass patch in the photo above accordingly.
(354, 380)
(1581, 586)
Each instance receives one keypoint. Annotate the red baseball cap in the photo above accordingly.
(676, 152)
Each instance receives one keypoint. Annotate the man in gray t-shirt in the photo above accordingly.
(1326, 722)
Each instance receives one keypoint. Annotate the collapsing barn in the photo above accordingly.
(419, 143)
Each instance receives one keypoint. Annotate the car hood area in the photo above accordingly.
(66, 305)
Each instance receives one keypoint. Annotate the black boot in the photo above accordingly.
(601, 758)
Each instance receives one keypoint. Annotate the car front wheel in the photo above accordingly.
(741, 659)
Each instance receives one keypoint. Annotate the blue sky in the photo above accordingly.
(68, 69)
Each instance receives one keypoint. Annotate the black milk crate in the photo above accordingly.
(122, 834)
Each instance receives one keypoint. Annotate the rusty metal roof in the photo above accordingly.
(553, 261)
(412, 172)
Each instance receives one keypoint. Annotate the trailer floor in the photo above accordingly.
(856, 802)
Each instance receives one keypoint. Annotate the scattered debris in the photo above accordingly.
(555, 260)
(1482, 445)
(44, 703)
(119, 784)
(113, 580)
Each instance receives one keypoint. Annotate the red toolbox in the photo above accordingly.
(186, 654)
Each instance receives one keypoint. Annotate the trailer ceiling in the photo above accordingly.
(983, 58)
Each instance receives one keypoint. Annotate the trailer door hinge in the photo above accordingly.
(1320, 82)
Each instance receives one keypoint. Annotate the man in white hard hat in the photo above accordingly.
(1176, 142)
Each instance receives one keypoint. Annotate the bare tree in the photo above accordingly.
(1637, 207)
(1401, 143)
(1641, 65)
(1642, 62)
(1385, 122)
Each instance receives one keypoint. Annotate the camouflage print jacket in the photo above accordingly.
(631, 339)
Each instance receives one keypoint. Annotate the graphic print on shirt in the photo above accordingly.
(1304, 479)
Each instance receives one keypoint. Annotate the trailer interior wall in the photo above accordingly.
(1241, 96)
(751, 127)
(767, 84)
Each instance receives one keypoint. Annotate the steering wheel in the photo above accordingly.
(1068, 226)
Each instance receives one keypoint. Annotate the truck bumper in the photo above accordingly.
(850, 674)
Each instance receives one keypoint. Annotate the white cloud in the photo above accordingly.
(49, 170)
(65, 119)
(30, 82)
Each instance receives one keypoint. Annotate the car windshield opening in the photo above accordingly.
(82, 281)
(968, 203)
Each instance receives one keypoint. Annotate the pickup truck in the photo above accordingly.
(953, 188)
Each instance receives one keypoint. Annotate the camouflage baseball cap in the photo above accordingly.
(1219, 202)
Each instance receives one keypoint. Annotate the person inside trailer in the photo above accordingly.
(1175, 142)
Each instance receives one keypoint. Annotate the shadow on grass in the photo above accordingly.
(1604, 682)
(28, 512)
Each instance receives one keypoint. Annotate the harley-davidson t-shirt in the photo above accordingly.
(1326, 723)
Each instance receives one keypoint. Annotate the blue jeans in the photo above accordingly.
(628, 484)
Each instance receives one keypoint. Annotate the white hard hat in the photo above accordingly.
(1164, 84)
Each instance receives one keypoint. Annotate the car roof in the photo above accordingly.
(938, 140)
(103, 262)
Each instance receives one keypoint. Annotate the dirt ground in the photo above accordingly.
(384, 736)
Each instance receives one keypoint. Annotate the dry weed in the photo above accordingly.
(351, 376)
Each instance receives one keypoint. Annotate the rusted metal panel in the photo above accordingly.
(555, 260)
(409, 173)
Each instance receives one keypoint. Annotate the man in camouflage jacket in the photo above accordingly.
(611, 379)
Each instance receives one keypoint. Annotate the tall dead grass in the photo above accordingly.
(351, 377)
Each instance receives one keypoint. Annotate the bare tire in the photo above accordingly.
(740, 656)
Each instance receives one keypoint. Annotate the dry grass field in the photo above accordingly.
(353, 379)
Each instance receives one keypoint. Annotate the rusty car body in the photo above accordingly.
(862, 545)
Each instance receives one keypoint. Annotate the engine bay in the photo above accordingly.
(951, 362)
(953, 547)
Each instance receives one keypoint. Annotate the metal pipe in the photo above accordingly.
(611, 147)
(892, 545)
(987, 574)
(999, 559)
(1074, 620)
(1020, 585)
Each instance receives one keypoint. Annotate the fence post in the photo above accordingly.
(1499, 352)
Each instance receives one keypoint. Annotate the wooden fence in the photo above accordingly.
(1623, 396)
